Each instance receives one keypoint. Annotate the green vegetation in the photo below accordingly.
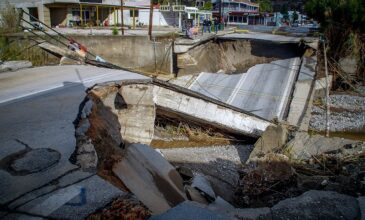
(9, 20)
(343, 26)
(115, 31)
(208, 6)
(15, 48)
(265, 6)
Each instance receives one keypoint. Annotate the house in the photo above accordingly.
(236, 12)
(79, 12)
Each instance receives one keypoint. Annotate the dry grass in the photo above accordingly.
(9, 19)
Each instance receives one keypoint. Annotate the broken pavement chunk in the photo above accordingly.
(194, 195)
(221, 206)
(202, 184)
(151, 178)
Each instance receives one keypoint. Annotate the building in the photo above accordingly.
(70, 13)
(237, 12)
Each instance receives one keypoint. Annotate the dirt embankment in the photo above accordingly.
(233, 56)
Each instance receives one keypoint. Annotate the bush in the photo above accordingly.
(9, 19)
(115, 31)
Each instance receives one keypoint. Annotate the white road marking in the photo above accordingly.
(285, 96)
(56, 87)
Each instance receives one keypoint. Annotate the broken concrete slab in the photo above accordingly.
(150, 177)
(74, 202)
(188, 104)
(14, 65)
(201, 183)
(61, 52)
(303, 146)
(136, 103)
(220, 205)
(316, 204)
(194, 195)
(274, 138)
(190, 210)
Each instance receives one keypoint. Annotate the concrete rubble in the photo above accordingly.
(6, 66)
(150, 177)
(278, 171)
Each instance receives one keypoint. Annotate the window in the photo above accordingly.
(135, 13)
(34, 14)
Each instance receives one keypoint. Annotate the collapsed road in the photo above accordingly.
(118, 123)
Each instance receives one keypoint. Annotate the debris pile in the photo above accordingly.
(304, 163)
(124, 207)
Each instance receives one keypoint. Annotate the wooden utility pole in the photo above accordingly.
(122, 10)
(151, 20)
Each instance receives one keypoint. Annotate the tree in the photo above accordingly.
(208, 6)
(295, 16)
(265, 6)
(343, 25)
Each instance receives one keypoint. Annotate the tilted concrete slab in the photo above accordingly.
(151, 178)
(263, 90)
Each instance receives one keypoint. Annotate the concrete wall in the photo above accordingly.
(233, 56)
(134, 52)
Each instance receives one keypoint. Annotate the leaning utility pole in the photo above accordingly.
(151, 20)
(122, 10)
(327, 91)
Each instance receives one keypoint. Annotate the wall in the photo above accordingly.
(134, 52)
(233, 56)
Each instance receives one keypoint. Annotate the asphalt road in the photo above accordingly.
(37, 108)
(264, 90)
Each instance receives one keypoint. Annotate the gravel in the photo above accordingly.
(347, 114)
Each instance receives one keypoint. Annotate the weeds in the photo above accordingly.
(9, 19)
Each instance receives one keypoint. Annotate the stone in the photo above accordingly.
(348, 65)
(202, 184)
(194, 195)
(14, 65)
(190, 210)
(150, 177)
(85, 155)
(252, 214)
(361, 201)
(303, 146)
(35, 160)
(316, 204)
(273, 138)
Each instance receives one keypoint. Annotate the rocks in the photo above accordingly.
(347, 114)
(348, 64)
(195, 195)
(317, 205)
(150, 177)
(202, 184)
(14, 65)
(304, 146)
(272, 139)
(252, 214)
